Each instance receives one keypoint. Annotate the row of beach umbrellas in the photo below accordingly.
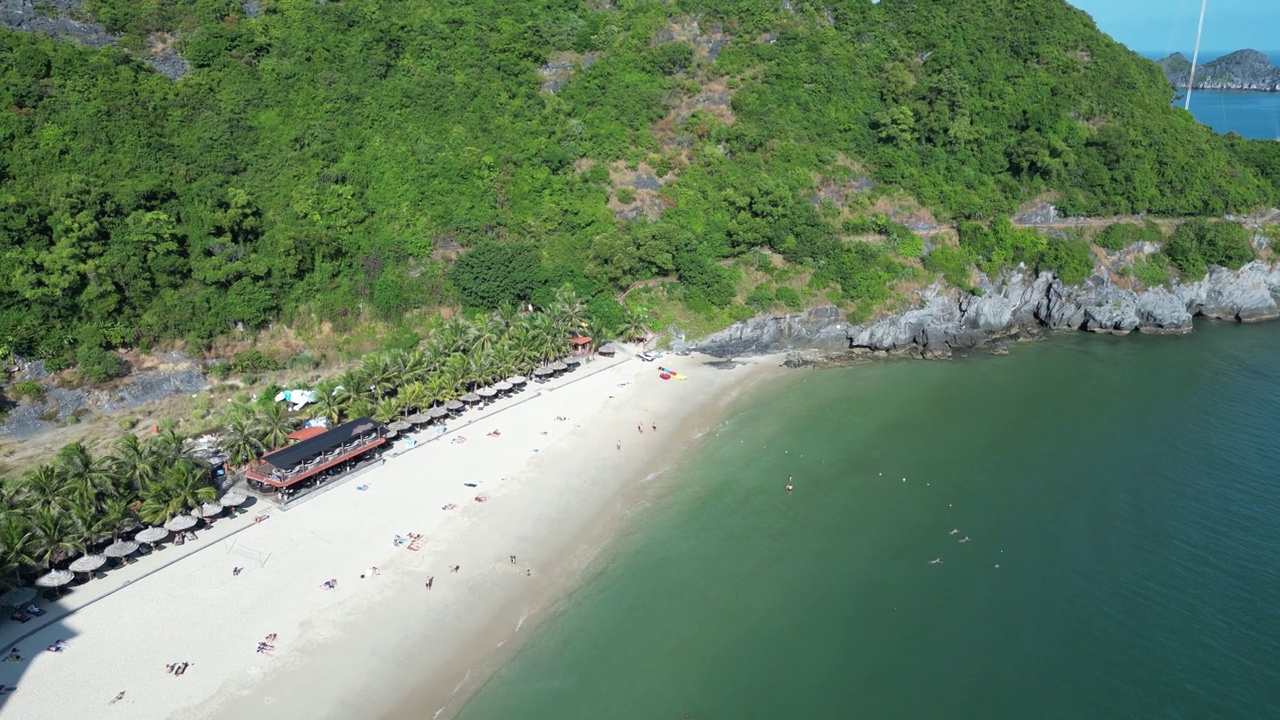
(471, 398)
(120, 549)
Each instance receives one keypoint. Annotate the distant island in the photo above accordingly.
(1241, 70)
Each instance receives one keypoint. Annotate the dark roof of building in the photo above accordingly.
(287, 457)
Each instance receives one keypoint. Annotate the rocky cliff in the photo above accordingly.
(1016, 304)
(1241, 70)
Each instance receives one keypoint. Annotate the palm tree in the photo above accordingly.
(273, 425)
(112, 518)
(168, 447)
(57, 537)
(184, 485)
(414, 397)
(240, 442)
(332, 402)
(568, 310)
(635, 323)
(86, 477)
(17, 546)
(131, 465)
(42, 487)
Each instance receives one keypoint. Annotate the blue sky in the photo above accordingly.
(1169, 25)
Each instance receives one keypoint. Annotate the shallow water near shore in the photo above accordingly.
(1125, 488)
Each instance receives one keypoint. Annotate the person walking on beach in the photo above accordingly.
(640, 427)
(513, 559)
(235, 571)
(455, 568)
(117, 698)
(431, 581)
(619, 444)
(655, 427)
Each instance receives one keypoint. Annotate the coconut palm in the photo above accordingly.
(168, 447)
(57, 537)
(184, 486)
(568, 312)
(414, 397)
(131, 465)
(331, 402)
(17, 546)
(42, 488)
(635, 323)
(240, 441)
(86, 478)
(113, 517)
(272, 426)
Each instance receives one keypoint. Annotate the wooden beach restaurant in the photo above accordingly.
(329, 453)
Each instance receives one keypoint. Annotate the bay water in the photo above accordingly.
(1103, 515)
(1249, 114)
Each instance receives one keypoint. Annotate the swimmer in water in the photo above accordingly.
(954, 531)
(965, 539)
(937, 561)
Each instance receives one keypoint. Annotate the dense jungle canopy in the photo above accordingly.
(335, 156)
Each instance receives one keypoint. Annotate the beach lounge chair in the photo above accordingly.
(19, 616)
(35, 609)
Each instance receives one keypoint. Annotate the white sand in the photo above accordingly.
(356, 651)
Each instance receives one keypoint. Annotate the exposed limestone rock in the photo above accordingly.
(1015, 305)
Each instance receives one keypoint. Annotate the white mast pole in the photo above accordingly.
(1195, 55)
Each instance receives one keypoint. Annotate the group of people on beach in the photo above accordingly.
(174, 669)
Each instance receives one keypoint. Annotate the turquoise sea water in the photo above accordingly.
(1126, 487)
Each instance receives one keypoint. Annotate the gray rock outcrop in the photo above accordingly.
(1018, 303)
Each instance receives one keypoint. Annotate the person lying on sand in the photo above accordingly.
(117, 698)
(494, 433)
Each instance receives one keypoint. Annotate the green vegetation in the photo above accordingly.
(1196, 244)
(59, 509)
(29, 390)
(327, 159)
(1151, 271)
(1118, 236)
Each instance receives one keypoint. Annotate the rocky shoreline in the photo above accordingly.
(1017, 304)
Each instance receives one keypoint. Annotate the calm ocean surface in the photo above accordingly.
(1126, 488)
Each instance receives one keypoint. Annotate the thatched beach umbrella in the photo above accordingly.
(390, 434)
(54, 579)
(180, 523)
(209, 510)
(398, 426)
(120, 548)
(87, 564)
(470, 398)
(453, 405)
(517, 380)
(502, 386)
(543, 372)
(486, 392)
(419, 418)
(17, 597)
(233, 498)
(573, 361)
(559, 366)
(151, 535)
(437, 412)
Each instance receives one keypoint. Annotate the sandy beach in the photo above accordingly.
(546, 493)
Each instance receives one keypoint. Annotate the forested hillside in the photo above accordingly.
(335, 156)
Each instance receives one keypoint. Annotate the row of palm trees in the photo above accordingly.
(454, 360)
(76, 500)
